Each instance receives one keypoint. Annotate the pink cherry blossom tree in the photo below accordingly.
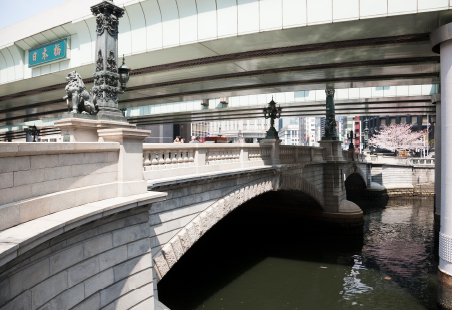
(397, 137)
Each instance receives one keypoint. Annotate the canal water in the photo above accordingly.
(270, 261)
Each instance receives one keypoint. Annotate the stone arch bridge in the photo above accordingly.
(97, 225)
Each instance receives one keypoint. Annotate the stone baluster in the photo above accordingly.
(154, 161)
(185, 158)
(161, 159)
(173, 158)
(167, 157)
(180, 156)
(147, 162)
(190, 157)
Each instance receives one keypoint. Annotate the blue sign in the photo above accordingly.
(208, 134)
(47, 53)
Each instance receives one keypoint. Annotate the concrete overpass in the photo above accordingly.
(214, 49)
(68, 216)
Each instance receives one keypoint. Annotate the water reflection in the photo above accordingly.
(254, 260)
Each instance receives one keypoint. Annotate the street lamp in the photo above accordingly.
(124, 74)
(33, 131)
(272, 112)
(350, 137)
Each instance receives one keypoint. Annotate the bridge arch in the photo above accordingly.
(177, 246)
(355, 184)
(181, 242)
(291, 182)
(355, 169)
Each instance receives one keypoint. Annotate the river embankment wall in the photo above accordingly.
(405, 179)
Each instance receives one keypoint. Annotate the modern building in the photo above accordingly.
(199, 129)
(289, 134)
(252, 130)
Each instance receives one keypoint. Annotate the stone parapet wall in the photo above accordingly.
(103, 264)
(37, 181)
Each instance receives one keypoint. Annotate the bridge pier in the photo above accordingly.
(337, 208)
(442, 44)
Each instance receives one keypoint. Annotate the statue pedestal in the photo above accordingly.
(333, 150)
(83, 128)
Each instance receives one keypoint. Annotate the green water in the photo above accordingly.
(265, 262)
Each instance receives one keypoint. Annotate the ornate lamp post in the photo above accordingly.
(272, 112)
(330, 119)
(102, 101)
(33, 131)
(350, 136)
(366, 135)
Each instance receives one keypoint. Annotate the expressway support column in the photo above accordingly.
(436, 99)
(441, 40)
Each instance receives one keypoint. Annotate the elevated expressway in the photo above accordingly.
(192, 50)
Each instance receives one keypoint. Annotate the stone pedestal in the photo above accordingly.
(77, 128)
(274, 154)
(130, 164)
(333, 150)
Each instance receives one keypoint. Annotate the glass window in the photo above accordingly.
(393, 120)
(383, 121)
(403, 120)
(424, 120)
(413, 119)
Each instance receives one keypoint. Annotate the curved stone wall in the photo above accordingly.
(104, 264)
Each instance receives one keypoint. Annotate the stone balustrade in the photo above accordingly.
(171, 160)
(422, 161)
(380, 158)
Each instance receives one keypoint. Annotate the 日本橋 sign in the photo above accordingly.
(48, 53)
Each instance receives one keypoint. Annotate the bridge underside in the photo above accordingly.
(388, 51)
